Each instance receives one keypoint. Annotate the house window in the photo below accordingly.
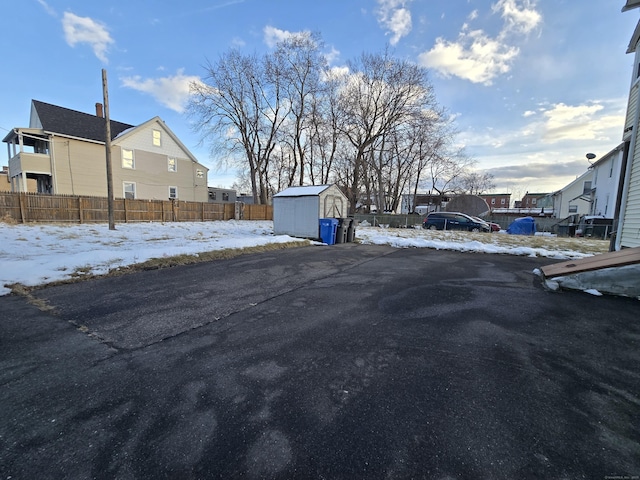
(173, 166)
(199, 173)
(573, 209)
(173, 192)
(533, 201)
(225, 196)
(157, 138)
(129, 189)
(127, 158)
(493, 201)
(502, 201)
(212, 195)
(587, 188)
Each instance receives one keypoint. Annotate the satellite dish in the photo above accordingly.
(591, 156)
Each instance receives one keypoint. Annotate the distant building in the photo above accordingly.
(497, 200)
(5, 181)
(530, 200)
(222, 195)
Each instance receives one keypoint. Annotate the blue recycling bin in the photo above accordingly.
(328, 227)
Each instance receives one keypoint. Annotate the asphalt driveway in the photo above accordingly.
(346, 362)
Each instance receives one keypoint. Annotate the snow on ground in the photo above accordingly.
(36, 254)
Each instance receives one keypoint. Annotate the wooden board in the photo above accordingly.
(628, 256)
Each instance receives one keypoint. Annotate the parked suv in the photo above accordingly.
(454, 221)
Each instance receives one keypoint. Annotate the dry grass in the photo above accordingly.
(8, 219)
(585, 246)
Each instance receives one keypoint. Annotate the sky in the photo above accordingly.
(36, 254)
(532, 85)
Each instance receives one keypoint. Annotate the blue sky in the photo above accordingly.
(533, 85)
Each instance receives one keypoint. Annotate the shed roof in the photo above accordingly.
(307, 191)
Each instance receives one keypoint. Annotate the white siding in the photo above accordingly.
(142, 139)
(296, 216)
(630, 236)
(631, 110)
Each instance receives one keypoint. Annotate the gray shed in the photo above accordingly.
(297, 210)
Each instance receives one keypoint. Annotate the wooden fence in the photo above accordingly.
(34, 207)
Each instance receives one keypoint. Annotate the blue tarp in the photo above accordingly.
(522, 226)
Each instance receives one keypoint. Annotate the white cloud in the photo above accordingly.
(521, 19)
(48, 8)
(582, 122)
(395, 17)
(273, 35)
(474, 57)
(332, 55)
(477, 56)
(86, 30)
(528, 113)
(171, 91)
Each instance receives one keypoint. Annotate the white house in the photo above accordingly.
(606, 182)
(575, 198)
(628, 225)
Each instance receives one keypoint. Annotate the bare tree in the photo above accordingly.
(475, 183)
(381, 93)
(300, 63)
(238, 106)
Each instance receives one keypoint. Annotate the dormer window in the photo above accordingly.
(157, 138)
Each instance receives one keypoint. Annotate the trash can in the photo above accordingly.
(328, 227)
(351, 231)
(341, 232)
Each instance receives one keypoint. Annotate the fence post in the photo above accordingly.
(80, 214)
(23, 215)
(125, 210)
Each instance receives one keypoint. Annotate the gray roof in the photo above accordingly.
(305, 191)
(75, 124)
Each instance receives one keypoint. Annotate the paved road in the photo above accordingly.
(342, 362)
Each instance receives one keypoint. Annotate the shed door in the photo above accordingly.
(332, 206)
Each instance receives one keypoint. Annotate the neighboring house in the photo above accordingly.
(64, 151)
(575, 199)
(628, 224)
(530, 200)
(606, 180)
(222, 195)
(245, 198)
(497, 200)
(5, 182)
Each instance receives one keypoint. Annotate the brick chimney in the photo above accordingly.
(99, 110)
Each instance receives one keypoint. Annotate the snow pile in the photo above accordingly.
(37, 254)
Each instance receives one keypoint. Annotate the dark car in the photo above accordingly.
(454, 221)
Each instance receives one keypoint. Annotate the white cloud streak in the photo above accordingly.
(273, 35)
(478, 57)
(521, 19)
(78, 30)
(171, 91)
(474, 57)
(48, 8)
(395, 18)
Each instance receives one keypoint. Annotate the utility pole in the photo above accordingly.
(107, 146)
